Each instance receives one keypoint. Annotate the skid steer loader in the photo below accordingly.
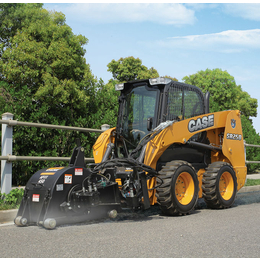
(167, 148)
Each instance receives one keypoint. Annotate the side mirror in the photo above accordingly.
(149, 123)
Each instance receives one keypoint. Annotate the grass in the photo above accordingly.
(252, 182)
(6, 207)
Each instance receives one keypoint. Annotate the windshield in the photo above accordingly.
(139, 105)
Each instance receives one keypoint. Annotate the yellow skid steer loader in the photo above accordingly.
(167, 148)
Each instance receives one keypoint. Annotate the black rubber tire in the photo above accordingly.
(211, 185)
(166, 193)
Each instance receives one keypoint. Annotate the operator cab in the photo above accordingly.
(144, 104)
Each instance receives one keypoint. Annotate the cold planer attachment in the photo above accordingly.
(71, 194)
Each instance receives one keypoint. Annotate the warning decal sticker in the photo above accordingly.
(36, 197)
(68, 179)
(51, 171)
(78, 171)
(47, 173)
(54, 169)
(59, 187)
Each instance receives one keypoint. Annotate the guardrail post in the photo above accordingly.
(7, 147)
(105, 127)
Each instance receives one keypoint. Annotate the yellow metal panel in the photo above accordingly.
(179, 132)
(241, 173)
(233, 142)
(233, 146)
(100, 146)
(200, 176)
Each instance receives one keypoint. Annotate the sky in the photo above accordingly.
(176, 39)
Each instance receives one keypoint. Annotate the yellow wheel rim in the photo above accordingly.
(184, 188)
(226, 185)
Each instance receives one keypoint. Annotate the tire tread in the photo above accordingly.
(210, 193)
(164, 193)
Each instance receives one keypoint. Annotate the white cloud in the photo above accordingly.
(227, 41)
(174, 14)
(201, 6)
(246, 11)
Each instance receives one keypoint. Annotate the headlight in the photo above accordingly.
(119, 86)
(159, 81)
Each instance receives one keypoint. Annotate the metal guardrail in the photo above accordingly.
(251, 145)
(11, 122)
(7, 145)
(7, 158)
(13, 158)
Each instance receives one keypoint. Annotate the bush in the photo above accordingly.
(11, 200)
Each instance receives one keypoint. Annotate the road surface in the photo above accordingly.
(233, 232)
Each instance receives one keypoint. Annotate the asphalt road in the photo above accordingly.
(233, 232)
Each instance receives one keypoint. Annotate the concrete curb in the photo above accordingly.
(7, 216)
(249, 188)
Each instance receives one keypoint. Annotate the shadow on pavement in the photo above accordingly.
(154, 212)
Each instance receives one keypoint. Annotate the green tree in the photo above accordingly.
(251, 137)
(43, 54)
(9, 22)
(123, 70)
(44, 78)
(130, 68)
(169, 77)
(226, 94)
(104, 109)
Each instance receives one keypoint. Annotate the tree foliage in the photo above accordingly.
(225, 93)
(130, 68)
(44, 78)
(251, 137)
(105, 105)
(43, 54)
(169, 77)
